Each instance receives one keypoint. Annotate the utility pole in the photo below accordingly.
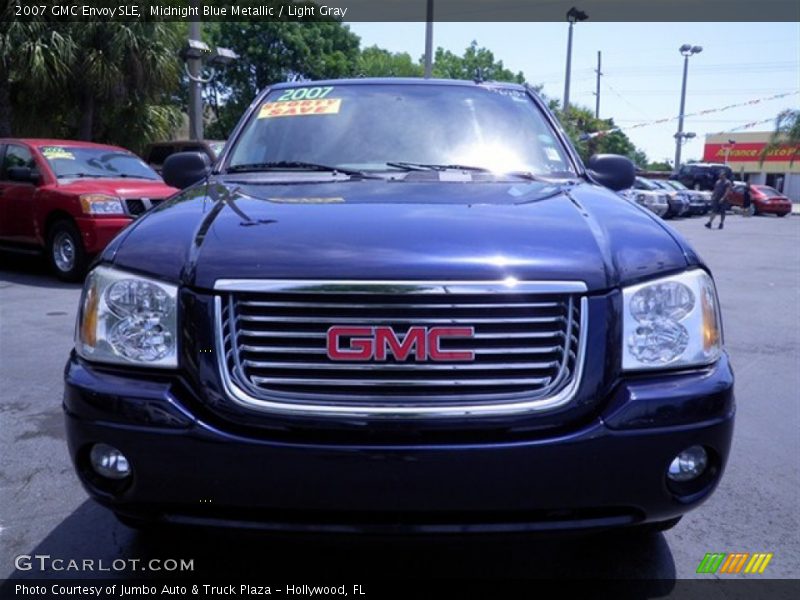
(597, 93)
(195, 66)
(429, 40)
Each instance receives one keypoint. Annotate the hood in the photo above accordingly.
(123, 187)
(378, 230)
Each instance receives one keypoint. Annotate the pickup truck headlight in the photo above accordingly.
(101, 204)
(129, 319)
(671, 322)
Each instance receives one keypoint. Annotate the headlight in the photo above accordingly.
(101, 204)
(671, 322)
(128, 319)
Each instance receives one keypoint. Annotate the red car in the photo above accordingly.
(71, 198)
(764, 200)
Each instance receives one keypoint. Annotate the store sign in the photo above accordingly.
(749, 152)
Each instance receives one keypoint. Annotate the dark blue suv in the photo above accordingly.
(399, 306)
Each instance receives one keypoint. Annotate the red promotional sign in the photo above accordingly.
(749, 152)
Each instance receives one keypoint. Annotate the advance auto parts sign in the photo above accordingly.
(749, 152)
(297, 108)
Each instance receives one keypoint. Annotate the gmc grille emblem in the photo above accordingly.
(378, 343)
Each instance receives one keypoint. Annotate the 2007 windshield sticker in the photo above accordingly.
(312, 93)
(55, 152)
(297, 108)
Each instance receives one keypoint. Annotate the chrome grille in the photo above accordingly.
(527, 346)
(138, 206)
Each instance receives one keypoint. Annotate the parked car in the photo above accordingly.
(156, 153)
(400, 305)
(654, 201)
(68, 199)
(676, 205)
(680, 205)
(764, 199)
(699, 201)
(701, 176)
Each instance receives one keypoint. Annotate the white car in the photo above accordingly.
(654, 201)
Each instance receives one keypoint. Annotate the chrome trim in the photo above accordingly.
(276, 319)
(367, 366)
(413, 287)
(476, 351)
(367, 411)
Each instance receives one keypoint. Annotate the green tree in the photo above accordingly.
(476, 59)
(787, 132)
(659, 166)
(34, 58)
(579, 121)
(127, 68)
(377, 62)
(109, 82)
(271, 52)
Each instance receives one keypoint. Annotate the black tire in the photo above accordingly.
(65, 251)
(783, 214)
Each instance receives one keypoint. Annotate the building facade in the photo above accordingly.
(742, 152)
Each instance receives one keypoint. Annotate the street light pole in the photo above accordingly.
(429, 40)
(573, 15)
(569, 66)
(686, 50)
(195, 66)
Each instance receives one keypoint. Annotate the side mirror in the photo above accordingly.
(23, 175)
(612, 171)
(183, 169)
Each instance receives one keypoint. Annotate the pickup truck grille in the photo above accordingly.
(138, 206)
(273, 346)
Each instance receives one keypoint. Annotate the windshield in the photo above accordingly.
(647, 184)
(770, 192)
(677, 184)
(377, 127)
(75, 161)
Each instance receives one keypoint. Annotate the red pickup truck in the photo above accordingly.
(71, 198)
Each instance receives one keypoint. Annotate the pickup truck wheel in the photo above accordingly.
(783, 214)
(65, 251)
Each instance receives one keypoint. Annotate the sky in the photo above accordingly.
(642, 69)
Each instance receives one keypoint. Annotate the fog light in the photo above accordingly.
(689, 464)
(109, 462)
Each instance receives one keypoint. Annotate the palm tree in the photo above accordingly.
(35, 55)
(786, 133)
(119, 65)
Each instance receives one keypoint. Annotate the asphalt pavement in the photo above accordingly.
(756, 262)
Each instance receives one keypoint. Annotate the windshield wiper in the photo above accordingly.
(282, 165)
(105, 176)
(412, 166)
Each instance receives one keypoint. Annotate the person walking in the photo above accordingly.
(746, 200)
(719, 200)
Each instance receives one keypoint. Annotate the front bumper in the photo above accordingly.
(609, 471)
(97, 232)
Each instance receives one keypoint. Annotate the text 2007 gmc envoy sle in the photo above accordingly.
(399, 306)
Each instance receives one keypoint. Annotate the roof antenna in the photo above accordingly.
(478, 75)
